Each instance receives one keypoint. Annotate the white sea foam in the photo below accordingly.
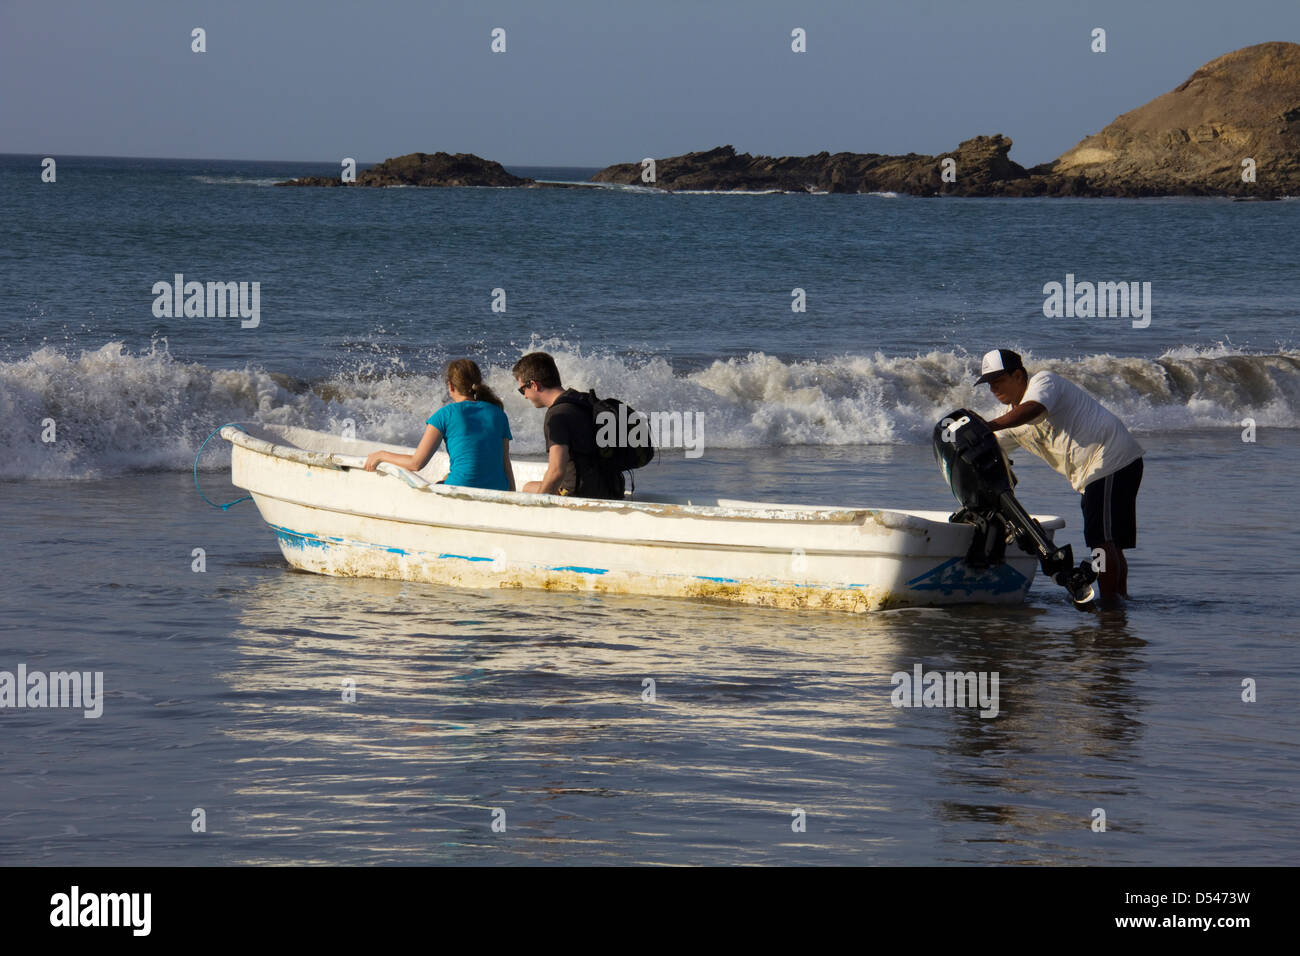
(731, 192)
(1217, 350)
(632, 188)
(116, 411)
(236, 180)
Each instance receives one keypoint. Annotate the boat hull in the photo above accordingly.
(333, 519)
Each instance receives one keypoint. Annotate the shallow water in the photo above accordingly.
(223, 692)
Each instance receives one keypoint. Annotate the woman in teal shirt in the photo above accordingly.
(476, 429)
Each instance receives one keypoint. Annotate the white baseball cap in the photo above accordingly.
(996, 362)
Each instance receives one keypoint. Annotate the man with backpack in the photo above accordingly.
(574, 463)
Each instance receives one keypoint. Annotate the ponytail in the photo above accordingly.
(464, 376)
(484, 394)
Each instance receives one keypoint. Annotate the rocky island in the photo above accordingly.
(425, 169)
(981, 165)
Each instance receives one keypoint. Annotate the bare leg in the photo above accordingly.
(1123, 572)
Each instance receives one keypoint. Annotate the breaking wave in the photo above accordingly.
(114, 411)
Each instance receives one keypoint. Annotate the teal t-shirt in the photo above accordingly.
(473, 432)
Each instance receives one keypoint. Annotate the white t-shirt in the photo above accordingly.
(1077, 436)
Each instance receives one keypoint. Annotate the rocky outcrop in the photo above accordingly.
(979, 162)
(425, 169)
(1191, 141)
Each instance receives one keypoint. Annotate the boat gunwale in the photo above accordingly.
(902, 521)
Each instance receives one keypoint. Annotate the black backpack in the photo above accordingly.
(631, 447)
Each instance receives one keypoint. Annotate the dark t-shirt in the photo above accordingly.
(570, 423)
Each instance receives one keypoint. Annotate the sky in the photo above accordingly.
(590, 83)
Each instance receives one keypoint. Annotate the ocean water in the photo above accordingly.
(222, 688)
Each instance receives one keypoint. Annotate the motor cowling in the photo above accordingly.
(971, 460)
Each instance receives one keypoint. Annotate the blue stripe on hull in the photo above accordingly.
(954, 576)
(305, 539)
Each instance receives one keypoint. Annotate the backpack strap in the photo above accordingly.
(573, 397)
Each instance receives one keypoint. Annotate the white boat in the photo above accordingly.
(333, 517)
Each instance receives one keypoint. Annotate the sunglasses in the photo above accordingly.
(524, 387)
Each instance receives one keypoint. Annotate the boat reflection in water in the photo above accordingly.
(611, 728)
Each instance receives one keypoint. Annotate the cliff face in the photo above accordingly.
(1244, 105)
(425, 169)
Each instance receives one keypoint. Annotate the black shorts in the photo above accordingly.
(1110, 508)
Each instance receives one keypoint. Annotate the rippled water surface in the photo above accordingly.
(224, 692)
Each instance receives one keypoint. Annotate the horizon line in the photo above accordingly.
(245, 159)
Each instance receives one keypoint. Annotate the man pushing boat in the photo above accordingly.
(1071, 431)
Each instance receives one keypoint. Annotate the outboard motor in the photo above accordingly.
(977, 472)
